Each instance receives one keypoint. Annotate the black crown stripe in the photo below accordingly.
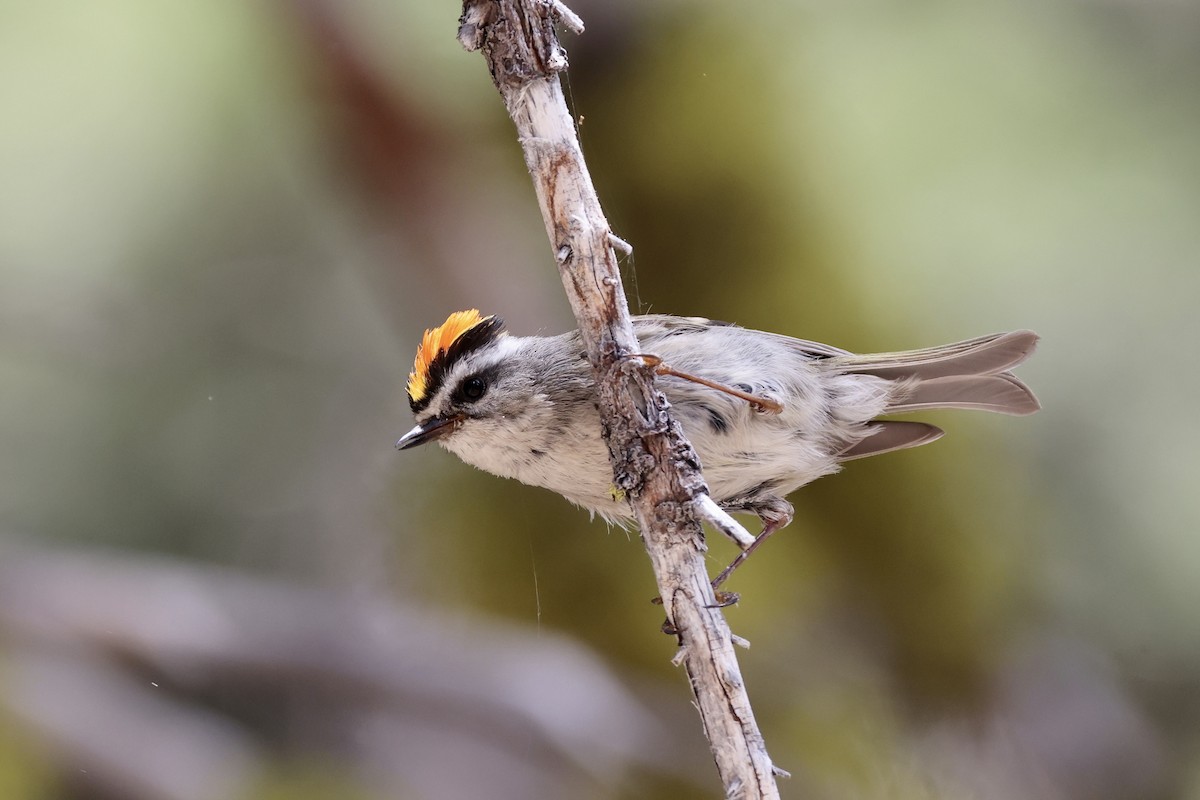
(479, 335)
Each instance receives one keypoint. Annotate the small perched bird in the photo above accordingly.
(766, 413)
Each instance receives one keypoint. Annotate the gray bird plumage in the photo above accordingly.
(535, 417)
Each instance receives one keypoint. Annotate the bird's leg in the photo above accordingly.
(707, 510)
(661, 368)
(775, 513)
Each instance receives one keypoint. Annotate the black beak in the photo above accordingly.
(435, 428)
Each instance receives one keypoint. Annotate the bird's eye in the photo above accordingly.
(473, 388)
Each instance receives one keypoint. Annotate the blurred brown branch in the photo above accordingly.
(117, 664)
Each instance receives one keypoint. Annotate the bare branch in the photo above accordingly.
(652, 462)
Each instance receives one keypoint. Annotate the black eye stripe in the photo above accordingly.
(474, 339)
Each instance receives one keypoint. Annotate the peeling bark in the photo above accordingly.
(652, 461)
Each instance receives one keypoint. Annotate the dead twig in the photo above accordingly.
(652, 461)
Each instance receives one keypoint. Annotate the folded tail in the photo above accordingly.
(973, 375)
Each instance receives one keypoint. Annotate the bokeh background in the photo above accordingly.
(224, 225)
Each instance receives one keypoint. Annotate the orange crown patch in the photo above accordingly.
(437, 342)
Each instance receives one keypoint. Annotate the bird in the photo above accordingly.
(766, 413)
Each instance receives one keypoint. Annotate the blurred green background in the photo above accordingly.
(223, 227)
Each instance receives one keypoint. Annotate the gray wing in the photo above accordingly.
(654, 327)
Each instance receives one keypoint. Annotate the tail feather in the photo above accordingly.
(971, 375)
(987, 355)
(1003, 394)
(886, 436)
